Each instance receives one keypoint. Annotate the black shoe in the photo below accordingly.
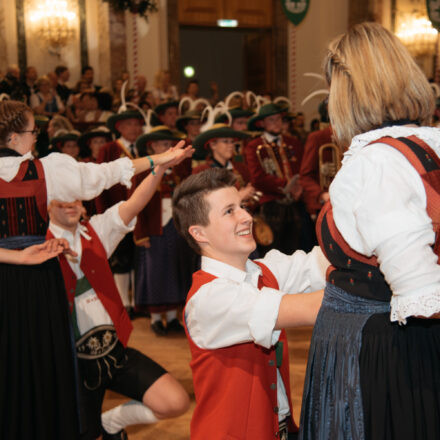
(121, 435)
(158, 328)
(175, 326)
(130, 312)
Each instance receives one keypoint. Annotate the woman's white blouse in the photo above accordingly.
(379, 207)
(68, 180)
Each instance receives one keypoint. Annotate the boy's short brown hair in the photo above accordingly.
(189, 204)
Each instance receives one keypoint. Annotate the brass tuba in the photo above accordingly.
(328, 169)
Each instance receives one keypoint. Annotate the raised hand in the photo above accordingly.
(176, 154)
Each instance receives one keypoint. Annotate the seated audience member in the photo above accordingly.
(62, 73)
(28, 85)
(87, 75)
(164, 91)
(235, 313)
(10, 84)
(46, 101)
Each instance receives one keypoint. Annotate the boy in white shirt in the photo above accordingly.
(235, 312)
(101, 324)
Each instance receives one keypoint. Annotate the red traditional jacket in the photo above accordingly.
(150, 218)
(309, 172)
(109, 197)
(240, 170)
(96, 269)
(269, 183)
(236, 387)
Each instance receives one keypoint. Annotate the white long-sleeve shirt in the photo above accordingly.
(232, 310)
(69, 180)
(379, 207)
(110, 229)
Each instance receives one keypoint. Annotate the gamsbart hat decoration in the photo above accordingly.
(124, 112)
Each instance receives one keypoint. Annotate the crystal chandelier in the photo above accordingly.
(417, 34)
(55, 22)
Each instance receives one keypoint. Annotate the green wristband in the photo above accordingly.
(152, 165)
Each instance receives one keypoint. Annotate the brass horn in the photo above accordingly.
(328, 168)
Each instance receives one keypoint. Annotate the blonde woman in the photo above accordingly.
(374, 361)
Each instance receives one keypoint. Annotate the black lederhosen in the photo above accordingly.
(129, 372)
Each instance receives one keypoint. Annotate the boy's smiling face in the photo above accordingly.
(228, 236)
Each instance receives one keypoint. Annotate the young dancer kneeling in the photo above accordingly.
(235, 312)
(101, 324)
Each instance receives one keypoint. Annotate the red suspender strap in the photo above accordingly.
(430, 177)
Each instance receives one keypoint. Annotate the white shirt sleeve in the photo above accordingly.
(224, 313)
(379, 206)
(299, 272)
(68, 180)
(110, 228)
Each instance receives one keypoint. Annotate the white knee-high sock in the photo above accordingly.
(122, 281)
(171, 314)
(155, 317)
(129, 413)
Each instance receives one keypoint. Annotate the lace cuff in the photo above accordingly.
(127, 171)
(425, 304)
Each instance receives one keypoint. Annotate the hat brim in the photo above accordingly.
(82, 140)
(200, 143)
(64, 138)
(162, 107)
(114, 119)
(180, 123)
(265, 111)
(143, 140)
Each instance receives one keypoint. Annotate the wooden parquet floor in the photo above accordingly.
(173, 353)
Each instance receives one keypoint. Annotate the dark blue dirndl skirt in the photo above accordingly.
(369, 378)
(164, 270)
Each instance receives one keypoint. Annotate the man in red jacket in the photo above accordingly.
(127, 125)
(314, 195)
(235, 312)
(101, 324)
(274, 161)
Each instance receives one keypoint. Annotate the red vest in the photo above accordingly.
(236, 386)
(23, 200)
(96, 269)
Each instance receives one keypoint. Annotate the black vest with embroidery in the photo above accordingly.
(356, 273)
(23, 200)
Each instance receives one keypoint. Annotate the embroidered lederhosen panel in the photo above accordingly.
(349, 270)
(427, 164)
(25, 213)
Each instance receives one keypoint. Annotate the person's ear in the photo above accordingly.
(198, 233)
(13, 139)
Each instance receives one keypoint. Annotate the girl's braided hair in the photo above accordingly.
(14, 115)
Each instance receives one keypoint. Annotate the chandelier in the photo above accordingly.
(417, 34)
(55, 22)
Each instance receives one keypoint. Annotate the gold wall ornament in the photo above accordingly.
(55, 22)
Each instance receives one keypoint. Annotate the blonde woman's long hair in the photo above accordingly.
(373, 79)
